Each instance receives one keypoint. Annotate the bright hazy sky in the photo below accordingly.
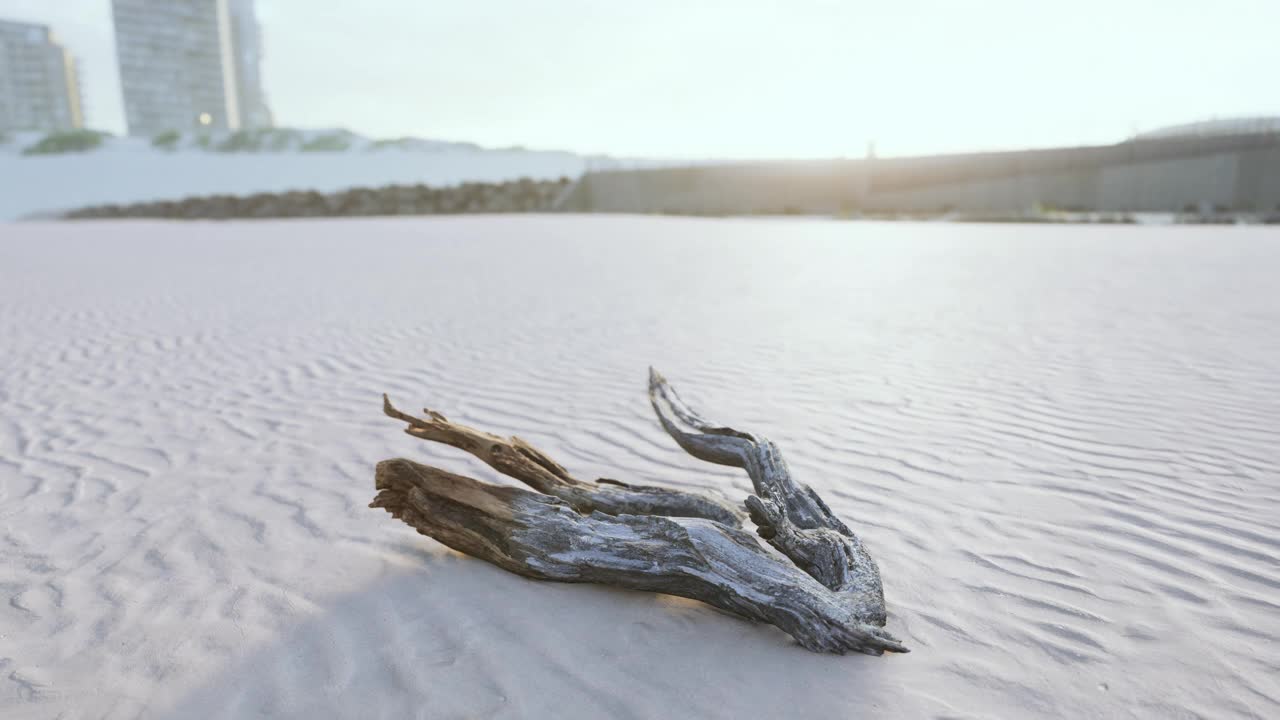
(740, 78)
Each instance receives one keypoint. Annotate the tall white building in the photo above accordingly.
(189, 64)
(39, 82)
(246, 44)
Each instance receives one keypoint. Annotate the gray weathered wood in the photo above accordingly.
(543, 537)
(520, 460)
(826, 591)
(788, 514)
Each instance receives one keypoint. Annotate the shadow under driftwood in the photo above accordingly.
(460, 638)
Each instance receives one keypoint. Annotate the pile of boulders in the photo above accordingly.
(522, 195)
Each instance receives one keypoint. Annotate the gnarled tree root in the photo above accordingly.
(825, 592)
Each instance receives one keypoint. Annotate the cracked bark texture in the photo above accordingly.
(826, 591)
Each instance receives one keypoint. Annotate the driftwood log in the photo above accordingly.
(824, 589)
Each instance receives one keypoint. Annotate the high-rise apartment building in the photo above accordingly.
(189, 64)
(246, 45)
(39, 82)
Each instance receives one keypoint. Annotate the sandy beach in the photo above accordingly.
(1060, 444)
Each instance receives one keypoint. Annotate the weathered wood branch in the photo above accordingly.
(518, 459)
(545, 538)
(788, 514)
(826, 592)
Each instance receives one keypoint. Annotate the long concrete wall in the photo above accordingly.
(723, 189)
(1231, 172)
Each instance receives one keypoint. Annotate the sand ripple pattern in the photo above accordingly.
(1060, 443)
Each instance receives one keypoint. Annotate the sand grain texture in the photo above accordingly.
(1059, 443)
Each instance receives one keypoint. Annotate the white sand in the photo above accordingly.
(1060, 443)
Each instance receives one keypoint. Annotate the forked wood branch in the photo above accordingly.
(825, 592)
(518, 459)
(788, 514)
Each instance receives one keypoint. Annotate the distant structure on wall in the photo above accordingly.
(1208, 167)
(188, 64)
(39, 80)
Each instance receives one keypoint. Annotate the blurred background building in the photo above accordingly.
(39, 80)
(188, 64)
(246, 45)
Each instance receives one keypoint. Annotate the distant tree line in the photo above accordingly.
(523, 195)
(67, 141)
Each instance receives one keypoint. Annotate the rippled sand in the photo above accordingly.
(1062, 445)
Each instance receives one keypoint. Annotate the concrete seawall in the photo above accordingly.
(1229, 172)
